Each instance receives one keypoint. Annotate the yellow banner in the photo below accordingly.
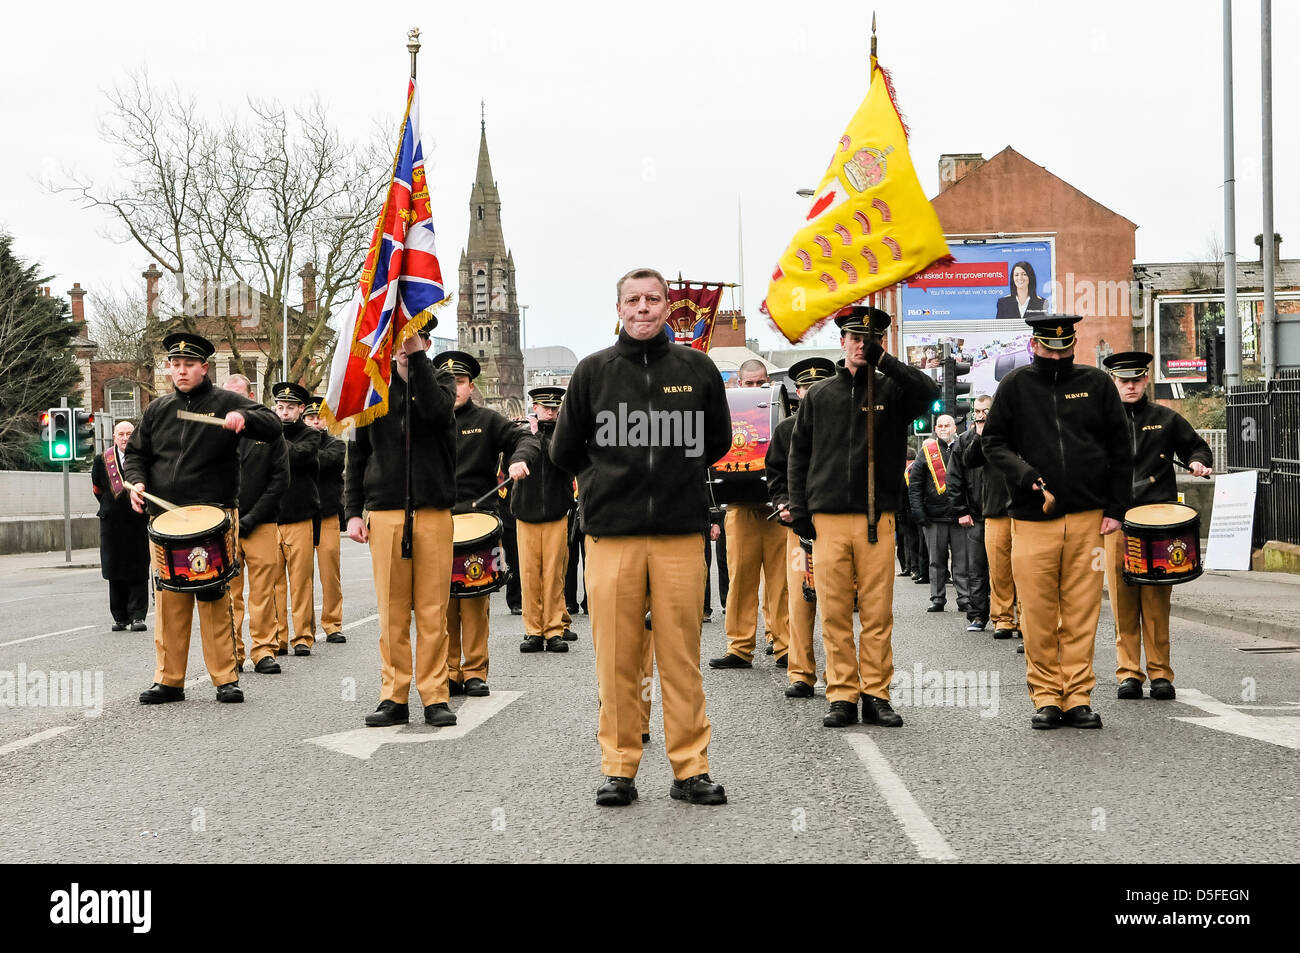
(870, 225)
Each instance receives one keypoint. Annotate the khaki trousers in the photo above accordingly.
(467, 632)
(1058, 569)
(329, 568)
(619, 571)
(841, 555)
(175, 614)
(259, 554)
(1141, 616)
(296, 559)
(755, 549)
(1003, 605)
(543, 560)
(419, 585)
(802, 614)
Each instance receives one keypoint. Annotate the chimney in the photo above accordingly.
(77, 294)
(151, 276)
(308, 276)
(956, 166)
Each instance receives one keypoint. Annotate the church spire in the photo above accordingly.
(485, 235)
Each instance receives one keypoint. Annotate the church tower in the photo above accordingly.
(487, 315)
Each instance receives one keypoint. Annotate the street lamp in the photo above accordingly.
(523, 327)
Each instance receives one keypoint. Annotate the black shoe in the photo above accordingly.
(267, 666)
(532, 643)
(157, 694)
(648, 626)
(281, 651)
(572, 610)
(119, 626)
(1019, 634)
(782, 661)
(1020, 648)
(556, 643)
(935, 607)
(699, 789)
(1081, 716)
(230, 693)
(514, 611)
(1162, 689)
(616, 792)
(455, 688)
(439, 715)
(708, 615)
(1002, 633)
(645, 737)
(476, 687)
(975, 625)
(301, 650)
(904, 572)
(570, 635)
(840, 715)
(388, 713)
(337, 638)
(139, 626)
(770, 649)
(1131, 689)
(877, 711)
(798, 690)
(921, 580)
(1049, 716)
(729, 661)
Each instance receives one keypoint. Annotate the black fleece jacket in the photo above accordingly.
(641, 423)
(546, 494)
(263, 478)
(302, 499)
(1157, 435)
(482, 437)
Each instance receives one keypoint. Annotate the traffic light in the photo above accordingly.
(925, 423)
(952, 386)
(59, 445)
(83, 447)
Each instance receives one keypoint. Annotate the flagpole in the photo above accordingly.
(871, 382)
(408, 517)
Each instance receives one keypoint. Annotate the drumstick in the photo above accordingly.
(201, 418)
(494, 489)
(159, 500)
(1179, 465)
(1049, 501)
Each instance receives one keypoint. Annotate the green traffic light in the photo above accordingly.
(937, 406)
(60, 449)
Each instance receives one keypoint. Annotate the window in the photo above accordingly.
(123, 399)
(480, 213)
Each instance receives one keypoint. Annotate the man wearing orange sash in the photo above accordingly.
(932, 508)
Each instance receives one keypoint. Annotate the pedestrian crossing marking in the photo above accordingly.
(364, 742)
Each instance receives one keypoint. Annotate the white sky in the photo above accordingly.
(626, 137)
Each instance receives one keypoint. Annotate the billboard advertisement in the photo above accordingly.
(988, 279)
(991, 354)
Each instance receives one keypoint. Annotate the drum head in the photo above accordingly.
(188, 520)
(472, 527)
(1160, 514)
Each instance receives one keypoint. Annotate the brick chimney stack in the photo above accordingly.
(956, 166)
(308, 276)
(151, 276)
(77, 295)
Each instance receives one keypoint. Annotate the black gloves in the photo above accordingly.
(804, 528)
(872, 351)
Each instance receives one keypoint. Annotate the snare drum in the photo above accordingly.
(808, 585)
(193, 548)
(1162, 544)
(478, 564)
(739, 476)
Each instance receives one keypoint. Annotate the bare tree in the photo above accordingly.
(242, 200)
(1214, 256)
(117, 324)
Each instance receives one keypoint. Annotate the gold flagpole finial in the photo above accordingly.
(873, 34)
(413, 46)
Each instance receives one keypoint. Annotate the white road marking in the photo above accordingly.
(1281, 731)
(34, 739)
(925, 837)
(363, 742)
(353, 625)
(33, 638)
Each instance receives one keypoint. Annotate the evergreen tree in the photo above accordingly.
(37, 367)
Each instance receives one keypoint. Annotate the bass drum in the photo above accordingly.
(1162, 544)
(739, 476)
(478, 564)
(193, 548)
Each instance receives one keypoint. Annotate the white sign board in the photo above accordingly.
(1232, 520)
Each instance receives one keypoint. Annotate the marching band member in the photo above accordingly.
(1058, 434)
(375, 483)
(756, 549)
(263, 478)
(482, 437)
(645, 508)
(1158, 435)
(802, 671)
(329, 523)
(123, 537)
(295, 519)
(828, 504)
(184, 462)
(541, 500)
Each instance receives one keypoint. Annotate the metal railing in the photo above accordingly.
(1218, 441)
(1263, 434)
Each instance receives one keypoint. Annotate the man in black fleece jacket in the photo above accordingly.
(1058, 434)
(329, 523)
(641, 423)
(295, 523)
(375, 483)
(828, 502)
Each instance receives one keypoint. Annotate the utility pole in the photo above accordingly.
(1231, 319)
(67, 499)
(1269, 323)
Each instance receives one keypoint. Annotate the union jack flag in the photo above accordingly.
(400, 289)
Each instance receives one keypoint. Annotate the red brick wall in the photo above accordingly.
(101, 372)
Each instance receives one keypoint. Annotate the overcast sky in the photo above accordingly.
(628, 136)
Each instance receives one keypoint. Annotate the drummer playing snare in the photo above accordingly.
(185, 462)
(1158, 435)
